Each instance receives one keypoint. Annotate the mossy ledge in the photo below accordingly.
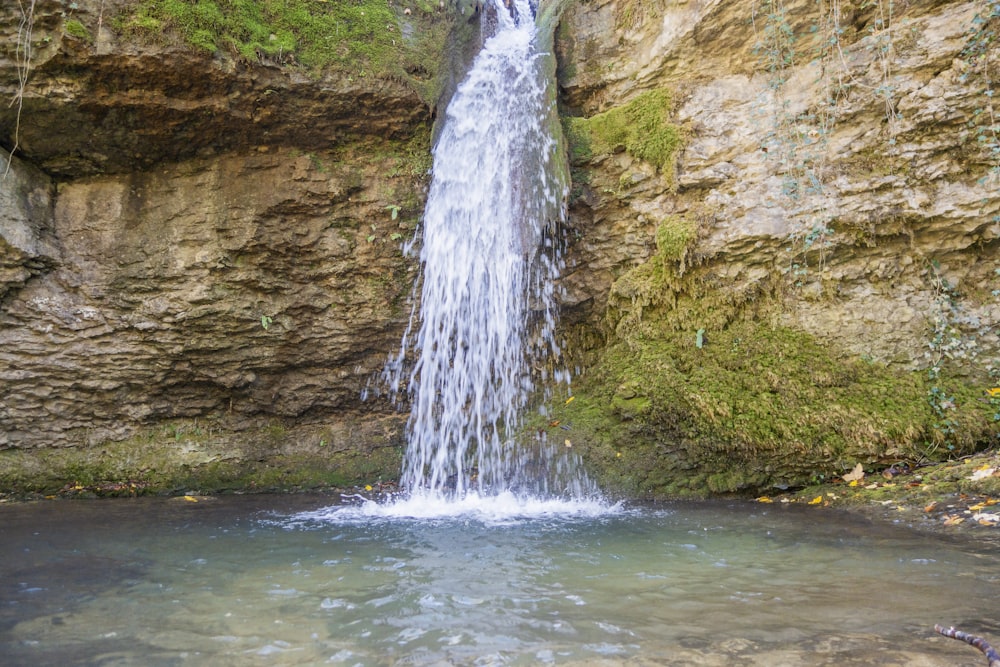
(703, 391)
(640, 127)
(204, 456)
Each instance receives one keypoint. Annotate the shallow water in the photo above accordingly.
(294, 581)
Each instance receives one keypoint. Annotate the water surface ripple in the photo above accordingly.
(298, 581)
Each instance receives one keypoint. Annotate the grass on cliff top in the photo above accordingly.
(359, 36)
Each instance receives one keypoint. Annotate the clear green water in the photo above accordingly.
(253, 581)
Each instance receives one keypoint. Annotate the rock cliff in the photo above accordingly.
(782, 249)
(811, 278)
(201, 251)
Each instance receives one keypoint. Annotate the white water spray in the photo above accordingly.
(489, 261)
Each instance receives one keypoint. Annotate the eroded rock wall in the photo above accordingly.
(244, 284)
(200, 253)
(840, 171)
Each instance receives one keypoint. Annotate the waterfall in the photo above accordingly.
(489, 260)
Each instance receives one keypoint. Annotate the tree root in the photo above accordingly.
(980, 643)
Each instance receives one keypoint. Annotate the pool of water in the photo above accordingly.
(297, 580)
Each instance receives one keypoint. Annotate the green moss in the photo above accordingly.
(313, 33)
(674, 236)
(411, 158)
(640, 127)
(360, 37)
(755, 406)
(747, 404)
(183, 456)
(78, 30)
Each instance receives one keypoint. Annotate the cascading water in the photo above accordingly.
(489, 260)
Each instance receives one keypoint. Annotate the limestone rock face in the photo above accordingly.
(845, 158)
(841, 166)
(28, 245)
(190, 237)
(108, 105)
(241, 284)
(191, 242)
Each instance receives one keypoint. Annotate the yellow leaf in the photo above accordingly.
(994, 392)
(953, 520)
(190, 499)
(854, 482)
(764, 499)
(618, 455)
(977, 507)
(368, 487)
(816, 501)
(568, 443)
(569, 400)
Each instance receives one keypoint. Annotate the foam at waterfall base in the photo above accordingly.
(501, 509)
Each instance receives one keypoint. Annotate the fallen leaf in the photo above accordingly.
(569, 400)
(930, 507)
(994, 392)
(977, 507)
(873, 485)
(764, 499)
(855, 475)
(854, 482)
(987, 518)
(816, 501)
(368, 487)
(190, 499)
(953, 520)
(568, 443)
(982, 473)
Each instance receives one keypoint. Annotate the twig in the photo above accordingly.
(980, 643)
